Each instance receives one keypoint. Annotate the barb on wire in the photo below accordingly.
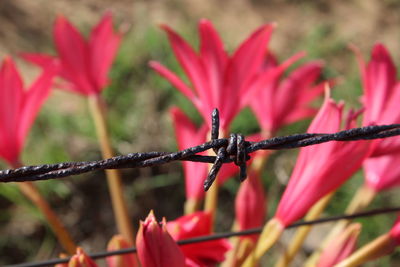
(234, 149)
(215, 236)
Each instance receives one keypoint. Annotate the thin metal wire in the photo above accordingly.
(235, 149)
(216, 236)
(241, 151)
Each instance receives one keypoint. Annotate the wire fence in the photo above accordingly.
(233, 149)
(215, 236)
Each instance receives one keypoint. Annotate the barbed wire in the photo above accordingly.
(215, 236)
(234, 149)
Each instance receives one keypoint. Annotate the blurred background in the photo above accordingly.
(138, 102)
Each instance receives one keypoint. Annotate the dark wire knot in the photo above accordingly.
(235, 150)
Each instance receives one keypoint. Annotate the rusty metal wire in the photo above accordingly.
(234, 149)
(215, 236)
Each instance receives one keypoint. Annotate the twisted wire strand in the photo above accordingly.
(234, 149)
(139, 160)
(215, 236)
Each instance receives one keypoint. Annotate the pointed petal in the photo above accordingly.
(261, 97)
(213, 57)
(155, 246)
(174, 80)
(382, 173)
(321, 169)
(187, 136)
(300, 114)
(250, 204)
(244, 65)
(81, 259)
(249, 57)
(34, 99)
(117, 242)
(11, 100)
(103, 45)
(191, 65)
(41, 60)
(46, 61)
(341, 247)
(361, 65)
(381, 78)
(193, 225)
(74, 55)
(315, 91)
(293, 88)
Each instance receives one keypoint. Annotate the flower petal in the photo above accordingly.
(175, 81)
(187, 136)
(11, 101)
(103, 45)
(380, 81)
(244, 65)
(191, 64)
(74, 55)
(382, 173)
(214, 59)
(33, 100)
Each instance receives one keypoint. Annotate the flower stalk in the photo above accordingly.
(301, 233)
(381, 246)
(270, 234)
(362, 198)
(98, 112)
(31, 192)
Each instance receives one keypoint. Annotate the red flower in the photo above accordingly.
(123, 260)
(382, 173)
(80, 259)
(395, 231)
(277, 101)
(83, 64)
(188, 135)
(381, 246)
(19, 108)
(155, 247)
(321, 169)
(381, 95)
(341, 247)
(217, 79)
(250, 204)
(197, 224)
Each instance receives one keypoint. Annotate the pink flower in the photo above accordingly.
(19, 108)
(382, 173)
(123, 260)
(250, 204)
(155, 246)
(80, 259)
(321, 169)
(381, 95)
(381, 246)
(395, 232)
(188, 135)
(83, 64)
(200, 254)
(277, 101)
(341, 247)
(217, 79)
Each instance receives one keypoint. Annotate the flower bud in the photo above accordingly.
(155, 246)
